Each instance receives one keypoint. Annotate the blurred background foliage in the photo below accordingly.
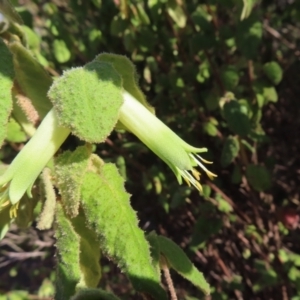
(223, 74)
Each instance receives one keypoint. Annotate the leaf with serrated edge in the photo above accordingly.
(155, 251)
(179, 261)
(69, 170)
(6, 83)
(108, 211)
(87, 100)
(68, 243)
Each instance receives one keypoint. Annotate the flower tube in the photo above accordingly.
(176, 153)
(31, 160)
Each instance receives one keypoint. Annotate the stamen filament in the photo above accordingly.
(210, 174)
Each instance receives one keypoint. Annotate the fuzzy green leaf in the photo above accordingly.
(179, 261)
(94, 294)
(69, 172)
(32, 78)
(68, 246)
(108, 211)
(87, 100)
(6, 83)
(230, 151)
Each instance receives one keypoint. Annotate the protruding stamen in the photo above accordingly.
(211, 175)
(204, 160)
(196, 174)
(189, 179)
(13, 210)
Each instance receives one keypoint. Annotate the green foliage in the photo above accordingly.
(70, 168)
(273, 71)
(236, 115)
(230, 77)
(15, 133)
(127, 71)
(179, 261)
(25, 214)
(204, 228)
(247, 8)
(106, 206)
(6, 83)
(68, 245)
(33, 80)
(230, 150)
(47, 190)
(61, 51)
(248, 36)
(211, 70)
(175, 10)
(258, 177)
(267, 276)
(89, 253)
(9, 12)
(81, 96)
(5, 221)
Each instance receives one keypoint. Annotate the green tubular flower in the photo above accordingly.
(177, 154)
(29, 163)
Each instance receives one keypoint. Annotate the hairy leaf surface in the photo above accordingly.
(6, 83)
(108, 211)
(69, 172)
(87, 100)
(68, 243)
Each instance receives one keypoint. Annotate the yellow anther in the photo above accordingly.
(7, 202)
(187, 181)
(204, 160)
(13, 210)
(199, 186)
(196, 174)
(211, 175)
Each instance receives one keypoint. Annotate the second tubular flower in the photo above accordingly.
(181, 157)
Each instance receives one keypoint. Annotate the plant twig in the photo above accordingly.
(168, 278)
